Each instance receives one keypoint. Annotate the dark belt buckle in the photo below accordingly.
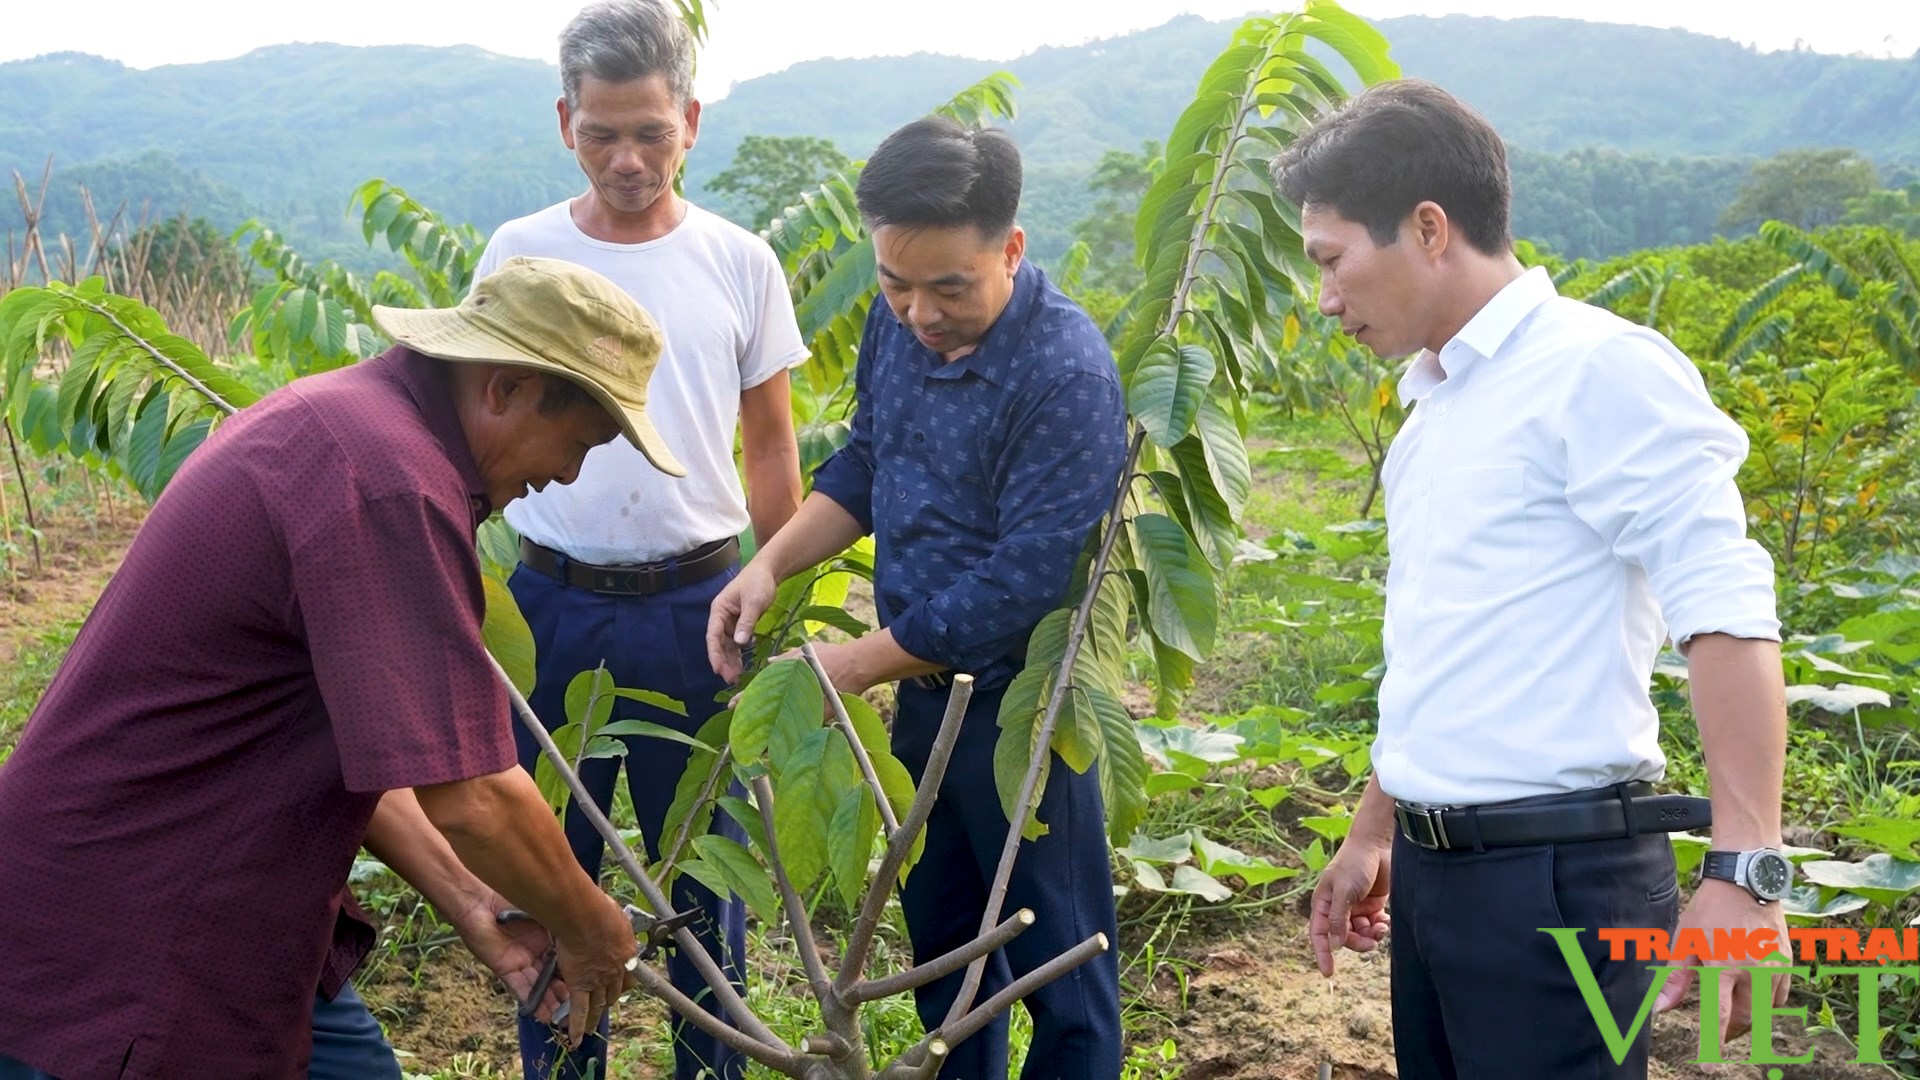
(1423, 826)
(935, 681)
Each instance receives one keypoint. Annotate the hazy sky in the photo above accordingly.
(754, 37)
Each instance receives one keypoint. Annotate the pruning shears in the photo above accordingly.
(655, 933)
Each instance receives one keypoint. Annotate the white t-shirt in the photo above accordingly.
(720, 298)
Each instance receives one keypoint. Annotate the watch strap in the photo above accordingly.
(1722, 866)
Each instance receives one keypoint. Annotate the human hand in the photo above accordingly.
(731, 619)
(514, 950)
(1350, 900)
(1720, 904)
(595, 966)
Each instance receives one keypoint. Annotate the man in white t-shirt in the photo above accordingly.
(623, 564)
(1560, 504)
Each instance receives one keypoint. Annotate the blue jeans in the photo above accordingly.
(658, 643)
(15, 1069)
(1064, 877)
(347, 1045)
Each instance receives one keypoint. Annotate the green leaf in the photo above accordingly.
(1220, 860)
(850, 842)
(701, 766)
(1123, 768)
(740, 873)
(1077, 735)
(838, 618)
(1880, 878)
(1205, 743)
(1197, 882)
(799, 827)
(1896, 836)
(654, 698)
(507, 636)
(1013, 752)
(779, 706)
(1843, 698)
(747, 816)
(1226, 454)
(1182, 607)
(625, 728)
(1167, 387)
(1166, 851)
(1270, 797)
(591, 689)
(1806, 904)
(1333, 828)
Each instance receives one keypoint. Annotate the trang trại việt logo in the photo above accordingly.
(1868, 957)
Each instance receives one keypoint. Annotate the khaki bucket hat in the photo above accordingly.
(556, 317)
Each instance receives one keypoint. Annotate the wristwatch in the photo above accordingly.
(1764, 872)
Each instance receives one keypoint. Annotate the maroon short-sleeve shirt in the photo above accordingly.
(295, 630)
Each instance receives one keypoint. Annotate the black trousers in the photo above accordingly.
(1479, 993)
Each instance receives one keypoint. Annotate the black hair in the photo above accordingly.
(1398, 144)
(937, 172)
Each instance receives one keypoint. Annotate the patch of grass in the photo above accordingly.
(24, 682)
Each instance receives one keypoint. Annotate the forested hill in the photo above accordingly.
(287, 132)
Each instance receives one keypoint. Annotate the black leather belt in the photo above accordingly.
(936, 681)
(1607, 813)
(642, 579)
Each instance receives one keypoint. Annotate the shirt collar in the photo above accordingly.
(1481, 338)
(990, 359)
(425, 381)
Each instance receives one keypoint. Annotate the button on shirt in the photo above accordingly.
(295, 630)
(1560, 503)
(980, 478)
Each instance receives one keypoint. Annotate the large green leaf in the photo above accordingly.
(803, 808)
(850, 842)
(1895, 836)
(1182, 606)
(776, 709)
(725, 866)
(1167, 387)
(1123, 768)
(1013, 752)
(507, 635)
(1880, 878)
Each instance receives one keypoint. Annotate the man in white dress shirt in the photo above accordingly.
(1560, 503)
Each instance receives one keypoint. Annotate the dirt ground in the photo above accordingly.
(77, 561)
(1254, 1009)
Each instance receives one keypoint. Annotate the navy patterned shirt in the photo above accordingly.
(980, 478)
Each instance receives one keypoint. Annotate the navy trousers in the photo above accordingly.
(347, 1045)
(1479, 992)
(658, 643)
(347, 1042)
(1064, 877)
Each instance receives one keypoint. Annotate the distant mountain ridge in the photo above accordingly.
(287, 132)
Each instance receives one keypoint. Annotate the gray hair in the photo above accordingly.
(623, 40)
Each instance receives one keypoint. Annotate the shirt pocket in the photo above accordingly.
(1477, 538)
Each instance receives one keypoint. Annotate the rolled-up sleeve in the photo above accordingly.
(1651, 467)
(1067, 449)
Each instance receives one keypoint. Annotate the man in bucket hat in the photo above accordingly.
(289, 665)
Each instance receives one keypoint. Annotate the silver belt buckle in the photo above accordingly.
(1429, 822)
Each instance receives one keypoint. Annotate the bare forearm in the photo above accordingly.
(771, 457)
(401, 836)
(773, 491)
(1739, 703)
(501, 830)
(1373, 819)
(820, 530)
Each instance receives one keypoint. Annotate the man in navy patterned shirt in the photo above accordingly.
(988, 436)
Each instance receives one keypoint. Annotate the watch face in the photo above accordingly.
(1770, 875)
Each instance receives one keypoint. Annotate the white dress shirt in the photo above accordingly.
(1560, 503)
